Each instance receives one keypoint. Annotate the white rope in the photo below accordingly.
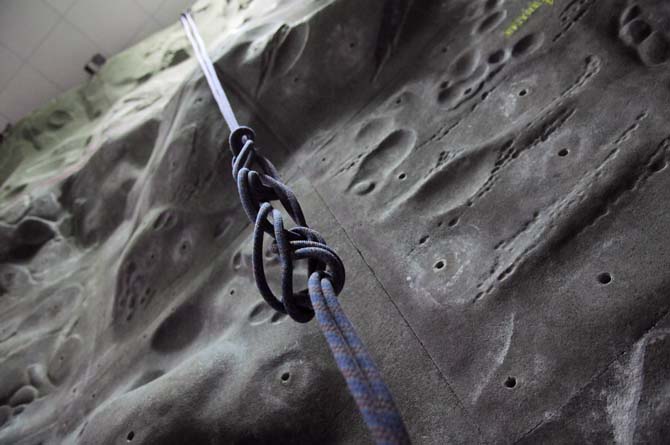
(208, 69)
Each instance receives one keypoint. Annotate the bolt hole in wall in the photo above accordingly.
(510, 382)
(402, 176)
(604, 278)
(439, 265)
(657, 165)
(497, 57)
(130, 436)
(563, 152)
(285, 377)
(523, 92)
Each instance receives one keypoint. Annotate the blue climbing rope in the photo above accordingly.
(259, 185)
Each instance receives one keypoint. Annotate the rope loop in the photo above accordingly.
(238, 137)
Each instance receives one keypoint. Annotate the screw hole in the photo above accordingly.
(657, 166)
(604, 278)
(497, 57)
(130, 436)
(439, 265)
(523, 93)
(402, 176)
(563, 152)
(510, 382)
(285, 377)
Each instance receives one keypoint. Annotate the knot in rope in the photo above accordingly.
(325, 271)
(257, 189)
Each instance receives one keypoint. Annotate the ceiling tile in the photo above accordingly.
(169, 10)
(150, 27)
(110, 24)
(9, 65)
(149, 6)
(24, 24)
(62, 56)
(60, 5)
(27, 90)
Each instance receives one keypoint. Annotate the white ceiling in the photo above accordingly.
(44, 44)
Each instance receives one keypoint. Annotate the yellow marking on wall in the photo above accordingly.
(525, 15)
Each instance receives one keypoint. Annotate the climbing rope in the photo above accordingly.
(259, 185)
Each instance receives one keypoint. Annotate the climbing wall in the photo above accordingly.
(492, 173)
